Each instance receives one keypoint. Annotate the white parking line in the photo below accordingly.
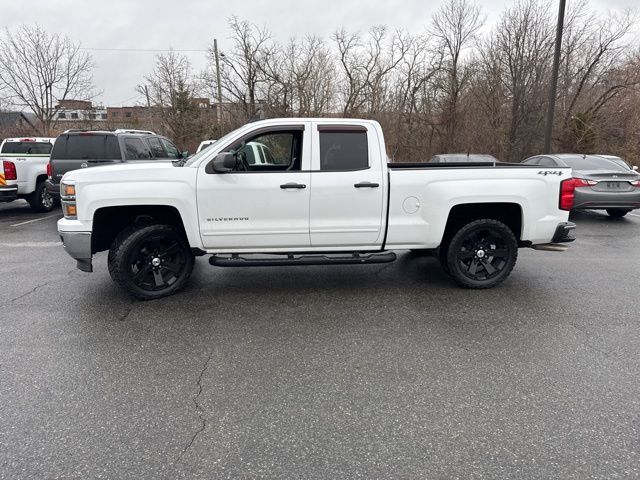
(30, 244)
(34, 220)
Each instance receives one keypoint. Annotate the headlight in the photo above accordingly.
(68, 197)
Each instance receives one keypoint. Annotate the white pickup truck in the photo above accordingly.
(23, 171)
(326, 195)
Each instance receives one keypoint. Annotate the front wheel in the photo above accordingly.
(482, 254)
(41, 200)
(617, 212)
(150, 261)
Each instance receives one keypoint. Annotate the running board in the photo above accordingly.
(261, 260)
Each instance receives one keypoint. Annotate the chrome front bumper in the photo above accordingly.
(78, 245)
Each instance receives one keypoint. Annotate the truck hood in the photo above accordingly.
(119, 171)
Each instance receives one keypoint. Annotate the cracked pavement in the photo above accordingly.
(322, 372)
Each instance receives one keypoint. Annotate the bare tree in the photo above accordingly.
(172, 90)
(367, 67)
(241, 69)
(38, 70)
(455, 27)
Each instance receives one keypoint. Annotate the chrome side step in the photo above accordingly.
(289, 259)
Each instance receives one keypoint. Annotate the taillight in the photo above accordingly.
(9, 170)
(567, 190)
(583, 182)
(49, 171)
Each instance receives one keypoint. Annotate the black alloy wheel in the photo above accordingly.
(482, 254)
(150, 262)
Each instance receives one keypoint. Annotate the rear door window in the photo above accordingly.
(27, 148)
(136, 149)
(157, 148)
(172, 151)
(344, 150)
(87, 146)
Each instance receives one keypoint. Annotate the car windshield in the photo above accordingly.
(205, 151)
(593, 163)
(27, 148)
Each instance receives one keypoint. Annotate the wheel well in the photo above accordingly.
(508, 213)
(108, 222)
(40, 178)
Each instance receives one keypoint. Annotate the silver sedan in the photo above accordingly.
(600, 182)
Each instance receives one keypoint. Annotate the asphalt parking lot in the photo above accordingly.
(322, 372)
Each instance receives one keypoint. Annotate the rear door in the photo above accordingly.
(347, 187)
(72, 151)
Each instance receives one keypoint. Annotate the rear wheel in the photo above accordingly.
(482, 254)
(150, 261)
(41, 200)
(617, 212)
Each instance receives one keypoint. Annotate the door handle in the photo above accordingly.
(293, 185)
(367, 185)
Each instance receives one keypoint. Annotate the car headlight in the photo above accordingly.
(68, 197)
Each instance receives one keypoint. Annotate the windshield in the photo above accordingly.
(206, 150)
(593, 163)
(27, 148)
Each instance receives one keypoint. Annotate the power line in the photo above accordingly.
(144, 50)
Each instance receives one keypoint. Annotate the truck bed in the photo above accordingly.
(414, 165)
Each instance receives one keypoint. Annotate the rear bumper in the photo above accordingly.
(563, 233)
(8, 193)
(53, 189)
(586, 199)
(78, 246)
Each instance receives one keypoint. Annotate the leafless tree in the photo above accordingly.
(38, 70)
(455, 28)
(172, 90)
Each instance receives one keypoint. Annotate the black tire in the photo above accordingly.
(41, 200)
(470, 259)
(150, 261)
(617, 212)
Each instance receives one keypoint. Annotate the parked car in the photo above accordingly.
(76, 149)
(463, 158)
(23, 171)
(204, 144)
(328, 197)
(600, 183)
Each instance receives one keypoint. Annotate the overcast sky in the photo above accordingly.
(192, 25)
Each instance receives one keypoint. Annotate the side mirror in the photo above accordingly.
(185, 154)
(222, 163)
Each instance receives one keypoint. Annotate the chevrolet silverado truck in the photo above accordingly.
(321, 193)
(23, 171)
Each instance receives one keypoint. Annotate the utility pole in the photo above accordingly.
(554, 79)
(215, 53)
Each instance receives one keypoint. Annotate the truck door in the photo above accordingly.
(264, 203)
(347, 187)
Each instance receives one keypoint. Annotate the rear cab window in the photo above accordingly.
(28, 147)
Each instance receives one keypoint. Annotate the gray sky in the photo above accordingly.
(192, 25)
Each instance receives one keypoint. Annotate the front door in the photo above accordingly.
(264, 202)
